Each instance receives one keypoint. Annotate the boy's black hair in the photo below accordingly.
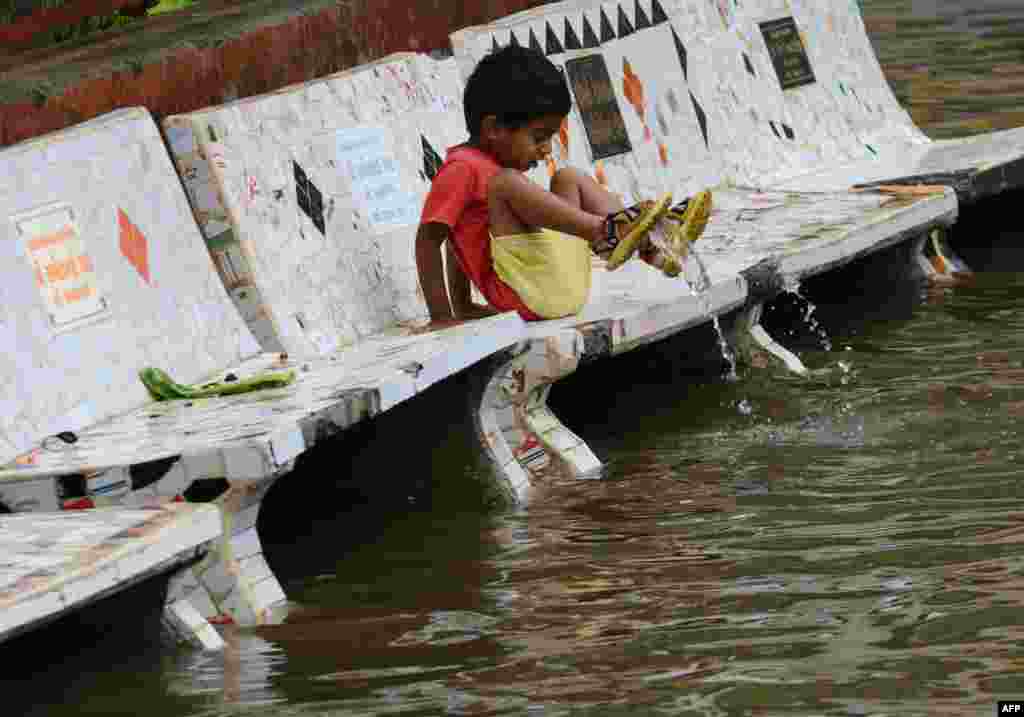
(517, 85)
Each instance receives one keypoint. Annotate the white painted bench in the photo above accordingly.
(307, 200)
(98, 210)
(706, 108)
(53, 563)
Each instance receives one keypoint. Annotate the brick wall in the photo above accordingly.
(221, 51)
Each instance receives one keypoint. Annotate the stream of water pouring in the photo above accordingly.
(700, 288)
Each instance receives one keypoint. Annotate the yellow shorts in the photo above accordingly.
(549, 270)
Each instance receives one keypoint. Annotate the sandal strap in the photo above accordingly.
(623, 216)
(611, 237)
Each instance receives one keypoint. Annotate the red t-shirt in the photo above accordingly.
(458, 199)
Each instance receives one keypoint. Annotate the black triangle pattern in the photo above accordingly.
(513, 40)
(572, 40)
(775, 129)
(607, 33)
(640, 20)
(554, 47)
(702, 119)
(625, 28)
(431, 159)
(681, 51)
(749, 64)
(790, 134)
(494, 44)
(673, 101)
(534, 42)
(658, 14)
(309, 198)
(589, 38)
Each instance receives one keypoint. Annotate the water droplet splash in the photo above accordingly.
(792, 285)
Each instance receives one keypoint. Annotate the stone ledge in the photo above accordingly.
(55, 563)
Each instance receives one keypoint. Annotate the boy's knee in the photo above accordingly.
(566, 178)
(502, 180)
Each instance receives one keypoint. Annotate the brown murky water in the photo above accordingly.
(852, 544)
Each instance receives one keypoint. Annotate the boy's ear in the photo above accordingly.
(488, 125)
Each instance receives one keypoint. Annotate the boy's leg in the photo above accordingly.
(459, 291)
(582, 190)
(518, 206)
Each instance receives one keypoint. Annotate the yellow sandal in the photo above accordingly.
(628, 228)
(691, 218)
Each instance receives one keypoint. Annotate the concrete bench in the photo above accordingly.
(53, 563)
(698, 103)
(307, 200)
(756, 246)
(107, 273)
(103, 272)
(976, 167)
(715, 99)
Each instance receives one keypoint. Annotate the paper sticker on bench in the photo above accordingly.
(64, 272)
(789, 56)
(367, 153)
(598, 107)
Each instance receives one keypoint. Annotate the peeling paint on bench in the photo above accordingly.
(51, 564)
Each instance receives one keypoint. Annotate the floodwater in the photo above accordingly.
(847, 544)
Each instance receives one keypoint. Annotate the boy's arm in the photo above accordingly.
(458, 282)
(459, 291)
(429, 238)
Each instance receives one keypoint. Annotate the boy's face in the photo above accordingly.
(525, 147)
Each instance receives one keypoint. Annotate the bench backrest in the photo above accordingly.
(697, 93)
(103, 272)
(309, 197)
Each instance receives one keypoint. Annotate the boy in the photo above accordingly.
(527, 249)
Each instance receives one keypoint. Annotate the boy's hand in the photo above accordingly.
(435, 325)
(476, 311)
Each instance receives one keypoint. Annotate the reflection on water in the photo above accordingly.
(958, 65)
(851, 543)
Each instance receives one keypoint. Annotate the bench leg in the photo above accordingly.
(935, 260)
(756, 348)
(185, 622)
(233, 583)
(524, 440)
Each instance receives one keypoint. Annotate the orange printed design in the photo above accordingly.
(633, 89)
(599, 174)
(563, 137)
(28, 459)
(551, 166)
(70, 268)
(134, 246)
(663, 154)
